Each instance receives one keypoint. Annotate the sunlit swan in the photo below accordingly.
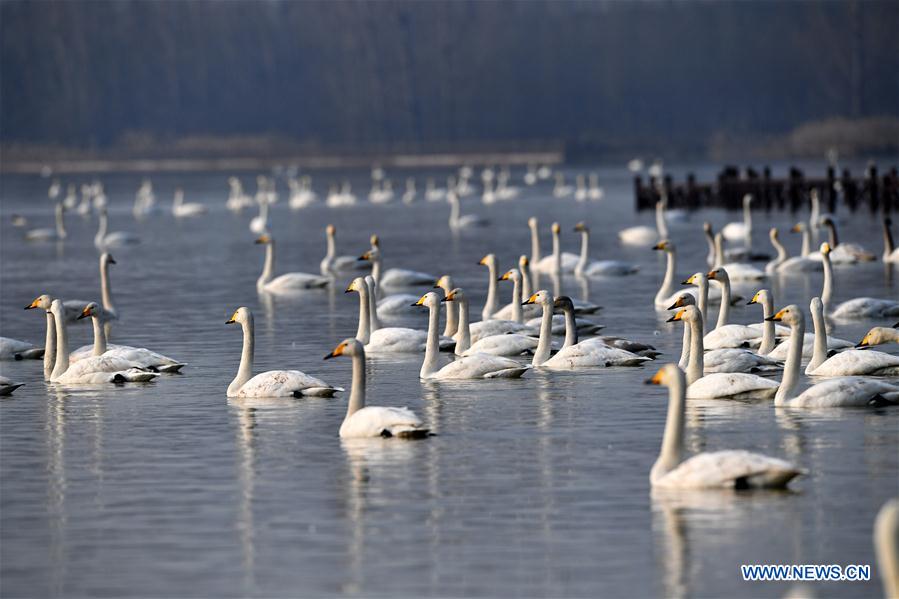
(725, 334)
(573, 328)
(845, 252)
(514, 310)
(594, 191)
(784, 263)
(738, 271)
(859, 307)
(237, 199)
(764, 297)
(410, 193)
(433, 193)
(452, 309)
(577, 355)
(92, 370)
(489, 325)
(741, 231)
(886, 546)
(667, 293)
(301, 193)
(643, 235)
(332, 264)
(852, 362)
(182, 210)
(890, 251)
(492, 303)
(58, 233)
(386, 339)
(138, 355)
(291, 282)
(272, 383)
(7, 386)
(15, 349)
(476, 366)
(372, 421)
(558, 261)
(394, 277)
(510, 344)
(730, 469)
(458, 221)
(103, 240)
(560, 188)
(72, 308)
(524, 267)
(381, 192)
(259, 223)
(598, 268)
(879, 336)
(837, 392)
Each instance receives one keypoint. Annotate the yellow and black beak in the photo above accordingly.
(85, 313)
(754, 300)
(365, 256)
(338, 351)
(33, 304)
(689, 281)
(660, 246)
(530, 300)
(678, 316)
(777, 317)
(262, 239)
(233, 318)
(421, 301)
(483, 261)
(111, 260)
(795, 229)
(505, 276)
(711, 275)
(678, 303)
(449, 297)
(655, 380)
(864, 341)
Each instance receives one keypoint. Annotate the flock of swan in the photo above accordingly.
(537, 329)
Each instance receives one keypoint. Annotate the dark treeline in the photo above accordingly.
(610, 74)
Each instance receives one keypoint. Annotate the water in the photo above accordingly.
(532, 488)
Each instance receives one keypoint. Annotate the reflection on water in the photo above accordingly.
(533, 487)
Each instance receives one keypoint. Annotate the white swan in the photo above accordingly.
(489, 325)
(237, 199)
(738, 271)
(886, 547)
(15, 349)
(514, 310)
(558, 261)
(452, 308)
(784, 263)
(376, 338)
(333, 264)
(725, 334)
(729, 469)
(859, 307)
(58, 233)
(847, 391)
(410, 193)
(476, 366)
(879, 336)
(577, 355)
(259, 223)
(72, 308)
(92, 370)
(103, 240)
(852, 362)
(394, 277)
(845, 253)
(890, 251)
(7, 386)
(182, 210)
(741, 231)
(643, 235)
(572, 328)
(291, 282)
(598, 268)
(301, 193)
(510, 344)
(372, 421)
(272, 383)
(458, 221)
(764, 297)
(560, 188)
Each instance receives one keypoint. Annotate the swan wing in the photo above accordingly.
(592, 353)
(377, 421)
(730, 335)
(866, 307)
(295, 281)
(730, 469)
(285, 383)
(736, 360)
(146, 358)
(399, 303)
(731, 385)
(10, 347)
(512, 344)
(397, 339)
(400, 277)
(480, 366)
(858, 362)
(640, 235)
(741, 271)
(609, 268)
(847, 391)
(488, 328)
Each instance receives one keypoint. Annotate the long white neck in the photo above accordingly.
(463, 332)
(724, 309)
(490, 306)
(268, 267)
(747, 220)
(60, 222)
(62, 346)
(433, 345)
(525, 280)
(806, 242)
(517, 315)
(535, 245)
(820, 353)
(363, 333)
(887, 241)
(667, 287)
(100, 237)
(661, 221)
(791, 369)
(245, 370)
(452, 317)
(357, 389)
(557, 253)
(712, 256)
(99, 337)
(685, 349)
(719, 250)
(570, 327)
(375, 321)
(544, 345)
(49, 347)
(767, 327)
(696, 364)
(582, 262)
(105, 289)
(454, 212)
(782, 255)
(376, 274)
(332, 247)
(703, 300)
(827, 290)
(673, 438)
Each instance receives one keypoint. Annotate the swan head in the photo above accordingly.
(42, 301)
(331, 230)
(682, 301)
(241, 316)
(747, 199)
(664, 245)
(445, 282)
(488, 260)
(875, 336)
(825, 249)
(532, 223)
(816, 305)
(707, 227)
(772, 233)
(357, 285)
(792, 314)
(581, 227)
(563, 303)
(798, 228)
(428, 300)
(89, 310)
(56, 308)
(666, 376)
(347, 347)
(511, 275)
(813, 194)
(687, 313)
(719, 274)
(375, 241)
(370, 255)
(454, 295)
(760, 297)
(106, 258)
(556, 229)
(695, 279)
(542, 297)
(263, 239)
(523, 262)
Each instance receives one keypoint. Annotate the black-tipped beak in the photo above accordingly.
(771, 319)
(672, 319)
(750, 302)
(673, 306)
(686, 282)
(231, 321)
(500, 279)
(82, 315)
(649, 382)
(414, 304)
(436, 287)
(112, 260)
(329, 356)
(656, 248)
(361, 258)
(445, 299)
(30, 307)
(861, 345)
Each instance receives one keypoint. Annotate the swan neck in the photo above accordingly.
(719, 251)
(60, 222)
(526, 288)
(517, 315)
(724, 309)
(332, 247)
(782, 254)
(703, 301)
(374, 321)
(557, 253)
(820, 352)
(661, 223)
(452, 319)
(685, 350)
(832, 234)
(357, 390)
(49, 347)
(696, 363)
(767, 327)
(433, 345)
(454, 212)
(105, 288)
(673, 438)
(570, 327)
(535, 246)
(582, 262)
(463, 332)
(99, 336)
(376, 275)
(786, 390)
(888, 245)
(712, 257)
(490, 305)
(667, 287)
(62, 346)
(806, 243)
(827, 290)
(544, 345)
(886, 548)
(363, 332)
(101, 229)
(245, 370)
(268, 266)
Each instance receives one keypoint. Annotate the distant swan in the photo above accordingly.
(182, 210)
(643, 235)
(332, 264)
(58, 233)
(598, 268)
(852, 362)
(103, 240)
(287, 283)
(558, 261)
(879, 336)
(860, 307)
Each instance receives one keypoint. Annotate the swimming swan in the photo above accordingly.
(644, 235)
(730, 469)
(372, 421)
(333, 264)
(103, 240)
(852, 362)
(783, 263)
(859, 307)
(558, 261)
(58, 233)
(510, 344)
(291, 282)
(272, 383)
(182, 210)
(387, 339)
(598, 268)
(879, 336)
(394, 277)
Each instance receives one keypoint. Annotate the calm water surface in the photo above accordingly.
(533, 487)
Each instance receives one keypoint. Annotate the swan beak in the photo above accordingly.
(530, 300)
(420, 302)
(825, 248)
(863, 342)
(365, 256)
(85, 313)
(711, 275)
(263, 239)
(689, 281)
(678, 316)
(233, 318)
(655, 380)
(111, 260)
(777, 317)
(483, 261)
(795, 229)
(338, 351)
(754, 300)
(678, 303)
(659, 246)
(32, 305)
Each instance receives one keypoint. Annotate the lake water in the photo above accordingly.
(533, 487)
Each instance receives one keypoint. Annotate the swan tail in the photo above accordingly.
(317, 392)
(30, 354)
(407, 433)
(134, 375)
(508, 373)
(890, 398)
(170, 368)
(639, 361)
(8, 389)
(770, 479)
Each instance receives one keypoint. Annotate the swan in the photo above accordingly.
(558, 261)
(890, 252)
(667, 294)
(141, 356)
(491, 305)
(463, 330)
(845, 253)
(504, 191)
(724, 334)
(575, 355)
(73, 308)
(594, 191)
(764, 297)
(511, 344)
(58, 233)
(524, 267)
(394, 277)
(730, 469)
(514, 310)
(103, 240)
(847, 363)
(598, 268)
(682, 301)
(144, 200)
(712, 255)
(287, 283)
(475, 366)
(237, 199)
(560, 188)
(259, 223)
(332, 264)
(433, 193)
(643, 235)
(456, 220)
(488, 196)
(886, 546)
(784, 263)
(92, 370)
(376, 338)
(580, 188)
(859, 307)
(15, 349)
(301, 193)
(848, 391)
(738, 271)
(381, 192)
(489, 325)
(572, 328)
(741, 231)
(363, 421)
(410, 193)
(879, 336)
(70, 202)
(181, 210)
(272, 383)
(7, 386)
(452, 310)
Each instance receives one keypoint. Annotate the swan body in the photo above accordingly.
(488, 328)
(866, 307)
(558, 261)
(332, 264)
(854, 362)
(741, 231)
(737, 360)
(780, 352)
(7, 386)
(237, 199)
(728, 469)
(103, 240)
(301, 194)
(732, 385)
(512, 344)
(291, 282)
(58, 233)
(879, 336)
(890, 251)
(14, 349)
(598, 268)
(182, 210)
(458, 221)
(394, 277)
